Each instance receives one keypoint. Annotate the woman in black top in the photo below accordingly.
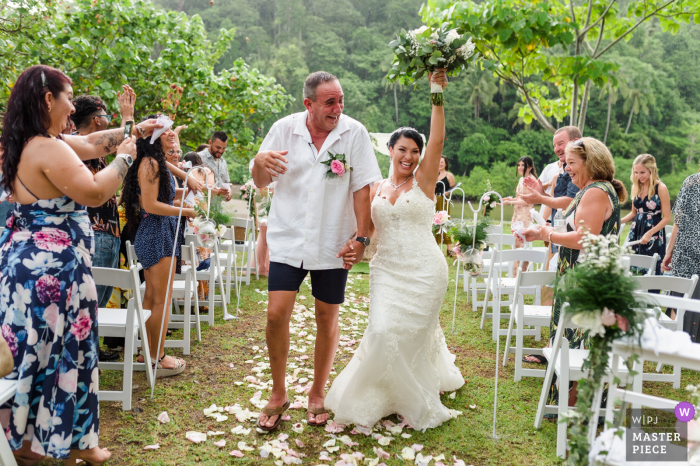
(446, 180)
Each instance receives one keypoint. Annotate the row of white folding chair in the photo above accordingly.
(248, 250)
(665, 284)
(8, 388)
(495, 241)
(498, 286)
(124, 323)
(185, 290)
(213, 275)
(567, 364)
(527, 315)
(643, 262)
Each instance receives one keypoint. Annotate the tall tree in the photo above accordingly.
(481, 87)
(638, 96)
(611, 91)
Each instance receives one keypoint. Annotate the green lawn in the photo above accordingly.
(210, 379)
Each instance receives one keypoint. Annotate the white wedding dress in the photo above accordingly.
(402, 363)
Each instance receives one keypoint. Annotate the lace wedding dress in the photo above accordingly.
(402, 363)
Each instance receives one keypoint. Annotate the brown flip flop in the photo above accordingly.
(269, 412)
(316, 411)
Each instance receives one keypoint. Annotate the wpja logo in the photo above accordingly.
(659, 435)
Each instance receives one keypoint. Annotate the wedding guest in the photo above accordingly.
(149, 190)
(682, 257)
(446, 180)
(548, 178)
(651, 210)
(595, 209)
(314, 222)
(89, 117)
(521, 209)
(201, 147)
(212, 157)
(50, 318)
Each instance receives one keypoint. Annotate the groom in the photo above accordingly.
(317, 223)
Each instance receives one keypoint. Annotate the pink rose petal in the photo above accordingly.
(381, 453)
(237, 453)
(163, 417)
(152, 447)
(221, 443)
(296, 405)
(299, 443)
(417, 447)
(286, 417)
(282, 437)
(333, 427)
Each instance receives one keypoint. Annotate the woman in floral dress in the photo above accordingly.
(48, 300)
(521, 209)
(651, 210)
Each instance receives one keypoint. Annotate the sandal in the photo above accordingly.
(316, 411)
(269, 412)
(540, 359)
(163, 372)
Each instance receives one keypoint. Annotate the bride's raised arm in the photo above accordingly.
(427, 173)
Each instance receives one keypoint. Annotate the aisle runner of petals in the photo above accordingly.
(352, 322)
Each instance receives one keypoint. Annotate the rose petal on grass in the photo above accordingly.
(408, 454)
(333, 449)
(472, 406)
(214, 434)
(384, 441)
(152, 447)
(196, 437)
(458, 462)
(417, 447)
(298, 427)
(324, 456)
(286, 417)
(243, 447)
(333, 427)
(452, 395)
(381, 453)
(163, 417)
(406, 435)
(236, 453)
(348, 441)
(299, 443)
(221, 443)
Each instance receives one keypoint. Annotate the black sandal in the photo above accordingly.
(540, 359)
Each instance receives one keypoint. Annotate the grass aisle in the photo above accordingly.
(219, 365)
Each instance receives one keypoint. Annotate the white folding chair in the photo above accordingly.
(227, 260)
(497, 286)
(496, 241)
(623, 349)
(522, 315)
(643, 262)
(8, 388)
(212, 275)
(567, 364)
(123, 323)
(185, 290)
(247, 248)
(665, 284)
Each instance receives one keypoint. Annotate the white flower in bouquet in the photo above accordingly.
(452, 34)
(590, 321)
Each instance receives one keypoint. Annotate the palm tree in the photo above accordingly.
(638, 96)
(481, 87)
(611, 91)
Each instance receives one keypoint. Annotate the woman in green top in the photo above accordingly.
(596, 208)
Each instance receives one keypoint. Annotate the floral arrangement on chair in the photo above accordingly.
(470, 240)
(248, 190)
(441, 222)
(209, 227)
(489, 199)
(601, 298)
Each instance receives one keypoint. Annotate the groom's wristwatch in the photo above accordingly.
(363, 239)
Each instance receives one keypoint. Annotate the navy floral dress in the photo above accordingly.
(647, 217)
(48, 311)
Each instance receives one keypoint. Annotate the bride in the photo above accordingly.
(403, 363)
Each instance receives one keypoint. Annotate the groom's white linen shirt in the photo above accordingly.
(312, 217)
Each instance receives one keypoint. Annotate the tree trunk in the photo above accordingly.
(607, 124)
(476, 108)
(182, 4)
(584, 106)
(396, 105)
(629, 122)
(574, 104)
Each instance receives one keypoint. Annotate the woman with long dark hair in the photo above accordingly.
(48, 300)
(148, 194)
(521, 209)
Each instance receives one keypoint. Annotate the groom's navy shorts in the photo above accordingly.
(327, 285)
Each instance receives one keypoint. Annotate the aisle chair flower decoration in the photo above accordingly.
(441, 222)
(470, 240)
(248, 190)
(210, 225)
(490, 201)
(600, 293)
(426, 50)
(264, 210)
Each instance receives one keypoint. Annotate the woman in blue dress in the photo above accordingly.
(149, 190)
(651, 210)
(48, 300)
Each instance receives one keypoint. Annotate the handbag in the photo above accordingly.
(7, 362)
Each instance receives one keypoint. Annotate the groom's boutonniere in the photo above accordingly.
(337, 166)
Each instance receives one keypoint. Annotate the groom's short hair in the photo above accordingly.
(314, 80)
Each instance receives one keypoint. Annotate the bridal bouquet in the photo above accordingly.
(428, 49)
(469, 240)
(601, 300)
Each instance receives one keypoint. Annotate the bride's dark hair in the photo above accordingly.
(409, 133)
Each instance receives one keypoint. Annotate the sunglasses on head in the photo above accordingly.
(109, 117)
(579, 143)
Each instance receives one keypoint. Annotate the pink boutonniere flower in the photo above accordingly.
(337, 165)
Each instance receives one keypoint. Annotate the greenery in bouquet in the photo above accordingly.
(601, 298)
(489, 201)
(428, 49)
(462, 233)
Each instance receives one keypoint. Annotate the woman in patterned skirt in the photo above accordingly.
(595, 209)
(651, 210)
(48, 300)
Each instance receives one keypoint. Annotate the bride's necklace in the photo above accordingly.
(396, 188)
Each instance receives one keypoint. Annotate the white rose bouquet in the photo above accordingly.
(426, 50)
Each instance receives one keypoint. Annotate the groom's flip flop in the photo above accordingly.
(317, 411)
(269, 412)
